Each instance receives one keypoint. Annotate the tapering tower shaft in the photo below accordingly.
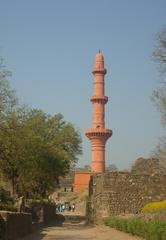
(98, 135)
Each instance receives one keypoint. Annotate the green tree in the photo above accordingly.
(35, 148)
(39, 149)
(52, 146)
(12, 152)
(159, 55)
(8, 104)
(8, 100)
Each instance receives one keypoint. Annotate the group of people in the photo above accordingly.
(61, 207)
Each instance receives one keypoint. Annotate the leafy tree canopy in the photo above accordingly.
(35, 148)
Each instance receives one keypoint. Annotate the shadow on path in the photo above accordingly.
(40, 233)
(34, 236)
(58, 221)
(63, 228)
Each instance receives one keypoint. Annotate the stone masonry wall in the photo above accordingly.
(123, 192)
(14, 225)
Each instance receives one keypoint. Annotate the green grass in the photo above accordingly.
(149, 230)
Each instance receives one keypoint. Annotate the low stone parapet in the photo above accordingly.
(15, 225)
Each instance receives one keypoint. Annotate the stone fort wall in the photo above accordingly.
(117, 193)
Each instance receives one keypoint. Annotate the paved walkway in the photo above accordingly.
(79, 232)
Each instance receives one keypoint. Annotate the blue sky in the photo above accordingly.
(50, 47)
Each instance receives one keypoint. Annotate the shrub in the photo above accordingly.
(154, 206)
(4, 195)
(150, 230)
(7, 207)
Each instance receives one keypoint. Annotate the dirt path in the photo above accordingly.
(79, 232)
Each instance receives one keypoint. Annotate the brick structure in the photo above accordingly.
(81, 180)
(98, 134)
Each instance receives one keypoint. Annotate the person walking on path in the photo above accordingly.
(73, 207)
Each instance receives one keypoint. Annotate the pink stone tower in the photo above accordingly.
(98, 134)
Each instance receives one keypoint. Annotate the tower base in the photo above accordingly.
(81, 180)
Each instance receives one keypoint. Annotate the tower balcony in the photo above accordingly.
(99, 99)
(98, 133)
(99, 70)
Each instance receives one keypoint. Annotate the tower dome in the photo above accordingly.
(99, 57)
(99, 63)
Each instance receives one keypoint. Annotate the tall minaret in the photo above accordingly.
(98, 134)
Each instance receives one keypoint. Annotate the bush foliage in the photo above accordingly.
(5, 196)
(7, 207)
(150, 230)
(154, 206)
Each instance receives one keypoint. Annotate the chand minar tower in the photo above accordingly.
(98, 134)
